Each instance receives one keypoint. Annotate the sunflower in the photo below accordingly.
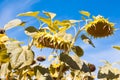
(99, 27)
(45, 39)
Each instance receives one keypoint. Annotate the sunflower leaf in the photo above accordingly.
(85, 13)
(30, 30)
(86, 40)
(78, 50)
(116, 47)
(33, 14)
(12, 24)
(73, 62)
(49, 14)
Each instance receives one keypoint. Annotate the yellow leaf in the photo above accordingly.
(116, 47)
(12, 24)
(49, 14)
(48, 21)
(62, 29)
(86, 13)
(33, 14)
(55, 25)
(45, 20)
(22, 24)
(64, 25)
(3, 38)
(4, 57)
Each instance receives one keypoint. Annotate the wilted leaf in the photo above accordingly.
(30, 31)
(109, 76)
(78, 50)
(4, 71)
(12, 24)
(19, 56)
(49, 22)
(41, 69)
(85, 68)
(3, 38)
(49, 14)
(42, 73)
(87, 40)
(86, 13)
(15, 50)
(4, 57)
(116, 47)
(65, 24)
(109, 72)
(68, 60)
(26, 57)
(33, 14)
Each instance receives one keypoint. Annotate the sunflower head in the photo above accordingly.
(100, 27)
(44, 39)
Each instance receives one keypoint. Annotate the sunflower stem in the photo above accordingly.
(30, 45)
(76, 36)
(60, 72)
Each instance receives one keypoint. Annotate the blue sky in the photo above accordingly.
(69, 9)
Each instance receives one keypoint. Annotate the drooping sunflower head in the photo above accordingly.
(100, 27)
(45, 39)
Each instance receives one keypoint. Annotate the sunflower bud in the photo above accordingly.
(92, 67)
(41, 58)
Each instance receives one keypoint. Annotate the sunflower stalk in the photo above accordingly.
(30, 44)
(60, 72)
(76, 36)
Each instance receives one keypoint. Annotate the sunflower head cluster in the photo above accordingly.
(45, 39)
(100, 27)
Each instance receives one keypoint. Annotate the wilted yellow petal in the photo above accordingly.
(86, 13)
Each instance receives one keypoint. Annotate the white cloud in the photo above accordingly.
(9, 10)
